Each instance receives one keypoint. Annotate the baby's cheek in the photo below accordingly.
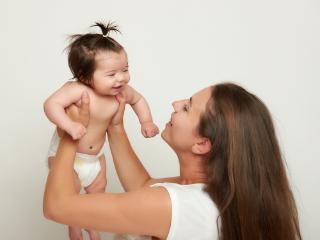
(128, 78)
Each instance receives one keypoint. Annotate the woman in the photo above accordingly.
(232, 182)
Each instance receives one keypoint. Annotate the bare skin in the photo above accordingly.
(109, 79)
(92, 141)
(140, 210)
(98, 186)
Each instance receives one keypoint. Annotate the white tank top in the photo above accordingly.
(194, 215)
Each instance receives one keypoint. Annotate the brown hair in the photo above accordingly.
(83, 49)
(246, 173)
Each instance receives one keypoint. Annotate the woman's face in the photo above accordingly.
(181, 131)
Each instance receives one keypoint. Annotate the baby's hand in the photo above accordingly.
(149, 129)
(76, 130)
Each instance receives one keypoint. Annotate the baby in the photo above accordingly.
(100, 67)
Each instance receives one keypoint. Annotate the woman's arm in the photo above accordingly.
(145, 211)
(130, 170)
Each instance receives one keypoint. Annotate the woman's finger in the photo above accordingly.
(73, 112)
(118, 117)
(84, 113)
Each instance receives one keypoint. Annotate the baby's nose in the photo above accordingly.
(121, 77)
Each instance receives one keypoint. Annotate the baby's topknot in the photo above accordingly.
(106, 29)
(83, 48)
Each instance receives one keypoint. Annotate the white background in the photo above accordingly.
(175, 48)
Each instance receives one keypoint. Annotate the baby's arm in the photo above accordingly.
(141, 108)
(54, 108)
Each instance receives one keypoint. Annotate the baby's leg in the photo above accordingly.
(74, 232)
(98, 186)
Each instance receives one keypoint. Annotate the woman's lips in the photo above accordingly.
(169, 124)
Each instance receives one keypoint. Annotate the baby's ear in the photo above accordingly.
(202, 146)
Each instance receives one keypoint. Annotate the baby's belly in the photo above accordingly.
(91, 143)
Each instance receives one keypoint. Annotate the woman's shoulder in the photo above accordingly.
(194, 213)
(192, 191)
(190, 197)
(183, 187)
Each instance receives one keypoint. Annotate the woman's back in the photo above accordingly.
(193, 214)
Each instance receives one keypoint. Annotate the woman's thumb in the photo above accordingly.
(122, 102)
(119, 114)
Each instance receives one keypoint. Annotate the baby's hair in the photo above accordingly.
(84, 47)
(106, 29)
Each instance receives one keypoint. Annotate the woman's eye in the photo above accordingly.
(125, 70)
(185, 108)
(111, 75)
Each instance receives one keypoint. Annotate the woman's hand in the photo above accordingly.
(79, 113)
(117, 120)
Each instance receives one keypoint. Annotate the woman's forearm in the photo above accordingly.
(106, 211)
(130, 170)
(60, 185)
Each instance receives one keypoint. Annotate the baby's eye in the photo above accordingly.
(126, 70)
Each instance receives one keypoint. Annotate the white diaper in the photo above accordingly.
(86, 166)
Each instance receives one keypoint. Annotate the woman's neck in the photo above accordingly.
(192, 169)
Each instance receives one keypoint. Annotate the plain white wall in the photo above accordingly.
(175, 48)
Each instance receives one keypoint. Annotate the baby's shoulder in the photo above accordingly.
(126, 89)
(74, 88)
(129, 93)
(75, 85)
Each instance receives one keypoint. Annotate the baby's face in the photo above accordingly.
(111, 74)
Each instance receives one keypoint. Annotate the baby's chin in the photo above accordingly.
(116, 90)
(110, 92)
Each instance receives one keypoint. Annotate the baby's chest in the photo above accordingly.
(102, 109)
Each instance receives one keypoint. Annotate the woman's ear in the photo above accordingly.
(202, 146)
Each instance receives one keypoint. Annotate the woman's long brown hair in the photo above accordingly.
(247, 175)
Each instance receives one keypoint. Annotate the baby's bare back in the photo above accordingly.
(102, 109)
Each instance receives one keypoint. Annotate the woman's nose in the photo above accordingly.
(175, 105)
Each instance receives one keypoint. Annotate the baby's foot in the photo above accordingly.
(93, 235)
(75, 233)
